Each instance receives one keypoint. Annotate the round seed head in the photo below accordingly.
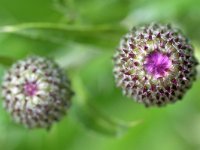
(36, 92)
(155, 64)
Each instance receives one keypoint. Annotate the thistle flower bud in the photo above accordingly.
(155, 64)
(36, 92)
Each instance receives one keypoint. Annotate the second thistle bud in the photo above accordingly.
(36, 92)
(155, 64)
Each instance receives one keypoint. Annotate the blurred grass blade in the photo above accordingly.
(94, 119)
(78, 56)
(61, 33)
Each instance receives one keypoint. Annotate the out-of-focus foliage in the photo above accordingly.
(81, 35)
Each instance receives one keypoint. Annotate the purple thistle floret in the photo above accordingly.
(155, 64)
(36, 92)
(30, 88)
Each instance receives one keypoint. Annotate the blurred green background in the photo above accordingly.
(82, 35)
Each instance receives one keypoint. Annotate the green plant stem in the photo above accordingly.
(55, 26)
(102, 35)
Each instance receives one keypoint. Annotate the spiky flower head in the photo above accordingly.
(36, 92)
(154, 64)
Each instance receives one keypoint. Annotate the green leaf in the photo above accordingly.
(94, 11)
(6, 61)
(90, 116)
(101, 12)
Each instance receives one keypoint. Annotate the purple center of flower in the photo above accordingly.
(30, 88)
(157, 64)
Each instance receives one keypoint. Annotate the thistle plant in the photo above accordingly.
(155, 64)
(36, 92)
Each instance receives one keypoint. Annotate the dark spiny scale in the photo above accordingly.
(34, 90)
(158, 64)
